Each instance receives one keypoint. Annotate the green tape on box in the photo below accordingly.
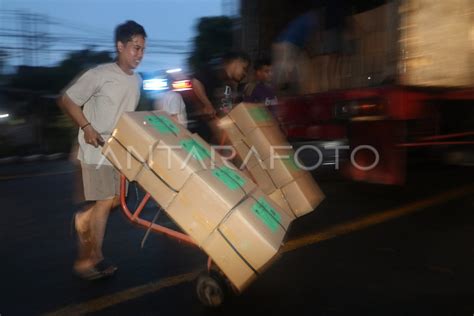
(270, 209)
(266, 214)
(234, 176)
(229, 177)
(224, 178)
(162, 124)
(196, 150)
(260, 114)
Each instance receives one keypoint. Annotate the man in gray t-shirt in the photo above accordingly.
(104, 93)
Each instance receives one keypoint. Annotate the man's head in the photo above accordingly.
(263, 70)
(236, 65)
(130, 44)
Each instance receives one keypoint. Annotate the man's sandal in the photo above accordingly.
(101, 270)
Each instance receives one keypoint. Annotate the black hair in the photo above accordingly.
(261, 62)
(231, 56)
(124, 32)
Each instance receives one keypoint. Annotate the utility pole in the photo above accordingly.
(42, 37)
(34, 36)
(46, 39)
(25, 38)
(230, 7)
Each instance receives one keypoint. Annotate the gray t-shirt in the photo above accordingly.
(106, 92)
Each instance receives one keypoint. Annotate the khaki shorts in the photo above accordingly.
(100, 182)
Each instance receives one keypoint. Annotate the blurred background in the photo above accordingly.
(43, 46)
(396, 76)
(360, 69)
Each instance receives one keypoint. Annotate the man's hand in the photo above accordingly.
(92, 137)
(209, 111)
(200, 92)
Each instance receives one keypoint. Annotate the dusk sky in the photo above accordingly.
(73, 24)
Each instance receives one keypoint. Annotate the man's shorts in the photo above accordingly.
(100, 182)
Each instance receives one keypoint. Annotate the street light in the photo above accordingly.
(171, 71)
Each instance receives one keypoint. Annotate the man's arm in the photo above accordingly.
(91, 136)
(200, 92)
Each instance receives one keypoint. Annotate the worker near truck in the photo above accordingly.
(319, 31)
(289, 49)
(217, 89)
(260, 89)
(95, 102)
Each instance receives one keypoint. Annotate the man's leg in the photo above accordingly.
(85, 243)
(101, 185)
(98, 224)
(91, 226)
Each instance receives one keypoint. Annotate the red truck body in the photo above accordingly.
(391, 119)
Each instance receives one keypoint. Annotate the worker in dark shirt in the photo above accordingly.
(260, 90)
(217, 91)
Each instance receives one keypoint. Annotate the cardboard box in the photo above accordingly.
(437, 38)
(263, 179)
(248, 240)
(266, 139)
(206, 198)
(256, 229)
(175, 159)
(245, 157)
(139, 132)
(152, 183)
(282, 167)
(229, 261)
(247, 173)
(121, 159)
(234, 134)
(249, 116)
(303, 195)
(278, 197)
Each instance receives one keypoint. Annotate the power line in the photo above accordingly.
(84, 28)
(85, 40)
(28, 36)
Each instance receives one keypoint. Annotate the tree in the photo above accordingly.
(53, 79)
(78, 61)
(214, 38)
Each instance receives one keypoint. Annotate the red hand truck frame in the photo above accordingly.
(212, 286)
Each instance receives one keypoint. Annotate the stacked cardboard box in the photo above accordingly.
(411, 42)
(219, 207)
(248, 238)
(263, 150)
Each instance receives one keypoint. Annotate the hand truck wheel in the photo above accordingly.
(211, 289)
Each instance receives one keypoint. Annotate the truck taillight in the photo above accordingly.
(182, 85)
(359, 109)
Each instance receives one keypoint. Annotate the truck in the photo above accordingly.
(405, 86)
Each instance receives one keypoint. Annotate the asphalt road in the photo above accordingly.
(367, 250)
